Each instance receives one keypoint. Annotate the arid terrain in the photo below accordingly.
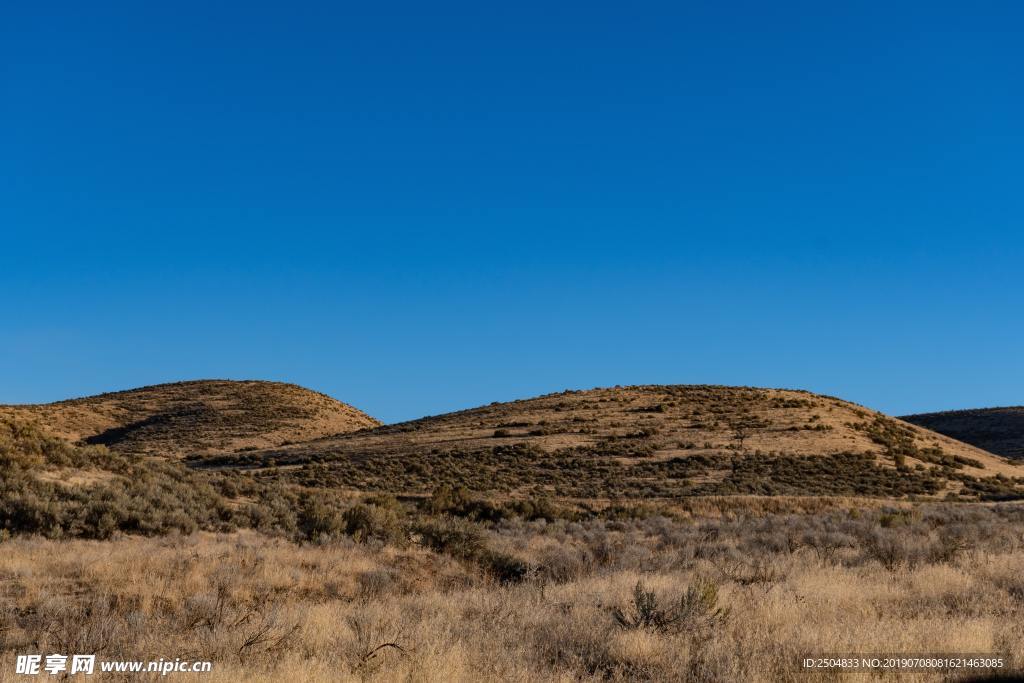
(996, 430)
(661, 533)
(202, 417)
(737, 597)
(645, 443)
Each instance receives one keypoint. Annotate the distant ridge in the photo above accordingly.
(997, 430)
(200, 417)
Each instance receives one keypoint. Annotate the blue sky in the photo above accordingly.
(428, 206)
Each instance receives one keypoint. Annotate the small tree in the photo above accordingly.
(743, 427)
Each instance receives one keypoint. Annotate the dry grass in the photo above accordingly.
(642, 533)
(916, 579)
(647, 442)
(200, 417)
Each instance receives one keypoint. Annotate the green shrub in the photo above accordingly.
(455, 537)
(370, 522)
(694, 612)
(446, 498)
(320, 522)
(505, 568)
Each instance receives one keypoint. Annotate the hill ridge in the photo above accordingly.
(998, 429)
(205, 416)
(647, 440)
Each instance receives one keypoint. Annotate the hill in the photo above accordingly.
(228, 455)
(645, 442)
(997, 430)
(204, 417)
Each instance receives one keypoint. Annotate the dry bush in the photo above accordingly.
(696, 611)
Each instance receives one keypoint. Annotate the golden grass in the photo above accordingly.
(351, 612)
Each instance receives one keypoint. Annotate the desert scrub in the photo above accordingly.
(129, 495)
(467, 541)
(269, 609)
(57, 489)
(695, 612)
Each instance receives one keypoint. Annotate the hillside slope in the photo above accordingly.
(647, 441)
(997, 430)
(204, 417)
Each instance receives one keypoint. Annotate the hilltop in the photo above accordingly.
(204, 417)
(997, 430)
(644, 442)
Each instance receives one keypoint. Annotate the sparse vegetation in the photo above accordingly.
(650, 442)
(646, 533)
(52, 488)
(202, 417)
(736, 596)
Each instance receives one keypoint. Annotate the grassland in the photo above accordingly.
(639, 533)
(740, 595)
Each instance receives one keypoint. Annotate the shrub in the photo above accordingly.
(320, 522)
(455, 537)
(446, 498)
(694, 612)
(536, 508)
(503, 567)
(366, 522)
(465, 541)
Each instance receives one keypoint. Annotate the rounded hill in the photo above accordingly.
(647, 441)
(201, 417)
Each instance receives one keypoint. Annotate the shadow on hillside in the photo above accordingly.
(161, 422)
(116, 435)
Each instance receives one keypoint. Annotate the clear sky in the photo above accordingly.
(429, 206)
